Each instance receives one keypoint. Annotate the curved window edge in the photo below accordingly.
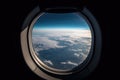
(29, 58)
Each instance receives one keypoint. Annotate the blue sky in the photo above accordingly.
(61, 21)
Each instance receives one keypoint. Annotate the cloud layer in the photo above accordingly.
(73, 46)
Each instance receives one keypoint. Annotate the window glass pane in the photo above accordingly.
(61, 40)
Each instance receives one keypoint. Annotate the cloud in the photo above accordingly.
(76, 50)
(77, 42)
(77, 54)
(84, 55)
(44, 43)
(73, 33)
(50, 38)
(70, 63)
(48, 62)
(80, 55)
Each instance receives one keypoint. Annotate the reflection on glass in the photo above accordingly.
(61, 41)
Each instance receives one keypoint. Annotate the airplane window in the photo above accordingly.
(61, 40)
(61, 44)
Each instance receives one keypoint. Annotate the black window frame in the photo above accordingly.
(33, 64)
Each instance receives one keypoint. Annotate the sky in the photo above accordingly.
(61, 21)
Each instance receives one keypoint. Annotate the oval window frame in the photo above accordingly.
(50, 69)
(43, 72)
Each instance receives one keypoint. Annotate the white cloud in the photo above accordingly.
(48, 62)
(77, 54)
(63, 62)
(76, 50)
(48, 39)
(42, 36)
(45, 43)
(70, 62)
(73, 33)
(83, 56)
